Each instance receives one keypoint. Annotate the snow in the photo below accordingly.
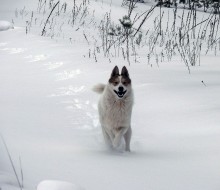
(56, 185)
(49, 118)
(5, 25)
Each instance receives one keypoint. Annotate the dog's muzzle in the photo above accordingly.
(120, 93)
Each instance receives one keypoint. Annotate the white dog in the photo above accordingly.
(115, 108)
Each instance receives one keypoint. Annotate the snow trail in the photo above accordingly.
(49, 119)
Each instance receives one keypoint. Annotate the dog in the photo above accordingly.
(115, 108)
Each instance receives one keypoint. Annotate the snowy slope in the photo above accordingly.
(48, 117)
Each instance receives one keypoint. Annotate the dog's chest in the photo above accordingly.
(116, 114)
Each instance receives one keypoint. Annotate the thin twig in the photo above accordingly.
(193, 28)
(43, 31)
(152, 8)
(12, 164)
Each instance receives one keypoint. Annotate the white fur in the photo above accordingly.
(99, 88)
(115, 115)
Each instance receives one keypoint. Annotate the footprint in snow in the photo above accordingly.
(14, 50)
(65, 75)
(35, 58)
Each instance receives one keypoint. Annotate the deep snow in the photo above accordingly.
(48, 118)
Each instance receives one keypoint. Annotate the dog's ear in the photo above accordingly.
(124, 72)
(115, 71)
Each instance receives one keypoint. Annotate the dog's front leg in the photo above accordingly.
(108, 136)
(127, 137)
(120, 132)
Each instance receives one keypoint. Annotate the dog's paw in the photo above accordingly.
(127, 149)
(116, 143)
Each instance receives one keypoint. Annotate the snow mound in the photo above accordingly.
(57, 185)
(5, 25)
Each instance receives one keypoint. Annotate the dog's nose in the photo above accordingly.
(120, 88)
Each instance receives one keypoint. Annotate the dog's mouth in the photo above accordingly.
(120, 93)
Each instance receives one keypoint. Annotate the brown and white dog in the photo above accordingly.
(115, 108)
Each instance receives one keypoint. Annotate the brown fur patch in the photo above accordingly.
(114, 80)
(125, 81)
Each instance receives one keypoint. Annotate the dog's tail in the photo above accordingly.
(99, 88)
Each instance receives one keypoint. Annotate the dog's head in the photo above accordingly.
(120, 83)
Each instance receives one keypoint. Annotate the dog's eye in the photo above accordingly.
(115, 83)
(125, 83)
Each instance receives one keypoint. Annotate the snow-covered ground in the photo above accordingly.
(49, 119)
